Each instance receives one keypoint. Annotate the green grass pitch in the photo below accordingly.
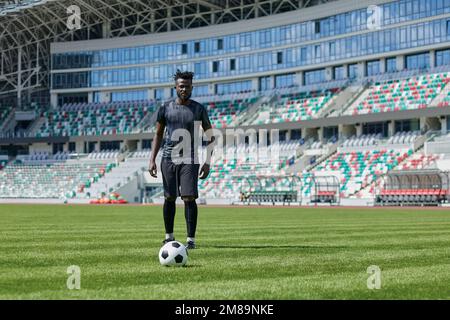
(244, 253)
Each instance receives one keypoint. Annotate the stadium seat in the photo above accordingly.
(360, 169)
(225, 113)
(408, 94)
(95, 119)
(295, 107)
(49, 181)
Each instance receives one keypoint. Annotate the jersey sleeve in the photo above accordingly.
(206, 123)
(161, 117)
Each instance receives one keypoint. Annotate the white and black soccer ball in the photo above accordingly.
(173, 253)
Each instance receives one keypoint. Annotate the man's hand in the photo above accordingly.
(204, 172)
(153, 169)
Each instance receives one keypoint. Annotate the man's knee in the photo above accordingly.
(171, 199)
(188, 199)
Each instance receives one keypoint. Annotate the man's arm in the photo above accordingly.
(157, 141)
(207, 128)
(204, 172)
(210, 146)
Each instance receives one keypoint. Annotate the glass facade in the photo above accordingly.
(316, 76)
(200, 91)
(234, 87)
(391, 64)
(158, 62)
(341, 24)
(353, 71)
(129, 95)
(296, 134)
(284, 80)
(407, 125)
(147, 144)
(159, 94)
(442, 57)
(338, 73)
(109, 145)
(373, 68)
(376, 128)
(418, 61)
(72, 98)
(96, 97)
(265, 83)
(330, 132)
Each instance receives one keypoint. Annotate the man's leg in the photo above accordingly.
(170, 184)
(189, 193)
(169, 211)
(191, 214)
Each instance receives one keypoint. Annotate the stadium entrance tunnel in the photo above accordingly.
(325, 189)
(414, 188)
(261, 189)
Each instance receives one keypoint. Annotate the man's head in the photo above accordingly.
(183, 84)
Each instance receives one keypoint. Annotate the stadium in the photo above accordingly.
(351, 99)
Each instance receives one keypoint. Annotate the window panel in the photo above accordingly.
(328, 51)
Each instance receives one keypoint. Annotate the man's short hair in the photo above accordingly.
(185, 75)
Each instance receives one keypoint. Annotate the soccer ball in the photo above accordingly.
(173, 254)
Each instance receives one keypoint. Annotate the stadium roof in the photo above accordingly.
(27, 27)
(11, 6)
(7, 6)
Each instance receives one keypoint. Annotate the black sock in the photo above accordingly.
(191, 213)
(169, 215)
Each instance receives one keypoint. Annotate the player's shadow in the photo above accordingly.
(275, 247)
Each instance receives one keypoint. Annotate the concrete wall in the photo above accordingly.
(443, 165)
(131, 190)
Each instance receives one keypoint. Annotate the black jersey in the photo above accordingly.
(174, 117)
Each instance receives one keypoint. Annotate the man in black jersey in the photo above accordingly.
(180, 168)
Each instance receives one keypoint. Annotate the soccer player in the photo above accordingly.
(180, 177)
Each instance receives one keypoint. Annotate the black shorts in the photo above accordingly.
(179, 180)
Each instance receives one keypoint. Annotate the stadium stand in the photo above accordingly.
(357, 170)
(44, 157)
(420, 161)
(105, 154)
(144, 154)
(49, 181)
(225, 111)
(404, 137)
(95, 119)
(362, 141)
(341, 97)
(373, 140)
(395, 95)
(119, 175)
(294, 107)
(41, 175)
(233, 166)
(445, 102)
